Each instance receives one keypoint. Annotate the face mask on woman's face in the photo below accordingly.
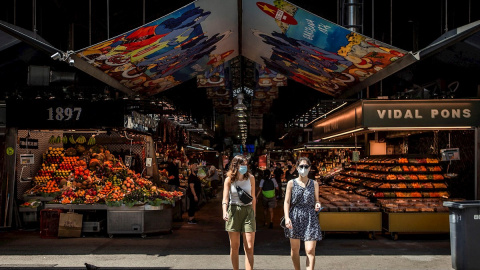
(303, 170)
(242, 169)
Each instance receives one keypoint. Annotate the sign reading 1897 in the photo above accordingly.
(64, 114)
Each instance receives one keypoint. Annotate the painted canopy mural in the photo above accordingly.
(309, 49)
(194, 40)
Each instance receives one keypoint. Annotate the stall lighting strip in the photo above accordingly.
(194, 147)
(326, 147)
(324, 115)
(418, 128)
(343, 133)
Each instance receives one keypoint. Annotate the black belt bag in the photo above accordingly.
(244, 196)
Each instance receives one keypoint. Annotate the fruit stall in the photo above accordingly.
(402, 170)
(104, 172)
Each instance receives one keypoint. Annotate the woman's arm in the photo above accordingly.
(260, 187)
(317, 198)
(254, 201)
(286, 204)
(225, 197)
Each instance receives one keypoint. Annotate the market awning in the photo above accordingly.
(198, 40)
(376, 115)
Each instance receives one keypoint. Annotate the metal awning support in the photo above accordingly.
(49, 49)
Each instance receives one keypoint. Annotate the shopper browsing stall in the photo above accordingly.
(194, 191)
(239, 210)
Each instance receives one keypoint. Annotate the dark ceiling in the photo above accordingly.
(65, 24)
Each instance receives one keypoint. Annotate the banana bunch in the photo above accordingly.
(71, 140)
(81, 139)
(91, 141)
(54, 140)
(65, 140)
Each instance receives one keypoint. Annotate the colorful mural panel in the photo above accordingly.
(311, 50)
(194, 40)
(266, 77)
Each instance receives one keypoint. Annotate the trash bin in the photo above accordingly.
(464, 234)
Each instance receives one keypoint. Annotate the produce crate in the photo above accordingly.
(49, 220)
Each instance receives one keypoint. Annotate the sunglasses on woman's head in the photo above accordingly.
(304, 166)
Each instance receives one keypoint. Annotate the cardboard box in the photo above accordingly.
(70, 225)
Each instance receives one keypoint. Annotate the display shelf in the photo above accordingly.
(394, 178)
(420, 222)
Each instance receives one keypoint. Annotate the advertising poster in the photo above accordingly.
(194, 40)
(309, 49)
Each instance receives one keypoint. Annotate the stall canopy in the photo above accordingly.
(199, 40)
(371, 115)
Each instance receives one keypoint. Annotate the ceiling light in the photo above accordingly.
(242, 120)
(241, 114)
(240, 107)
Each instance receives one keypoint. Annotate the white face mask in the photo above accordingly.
(303, 172)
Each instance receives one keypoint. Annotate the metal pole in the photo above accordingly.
(143, 12)
(391, 22)
(14, 12)
(446, 15)
(339, 22)
(89, 22)
(108, 19)
(373, 19)
(469, 11)
(477, 163)
(34, 17)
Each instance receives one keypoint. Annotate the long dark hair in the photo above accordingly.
(235, 165)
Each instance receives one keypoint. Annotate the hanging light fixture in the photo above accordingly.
(241, 114)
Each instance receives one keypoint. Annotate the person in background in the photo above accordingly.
(239, 217)
(267, 188)
(300, 209)
(278, 174)
(212, 176)
(313, 170)
(291, 172)
(173, 179)
(194, 190)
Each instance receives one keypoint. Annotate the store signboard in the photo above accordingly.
(26, 143)
(64, 114)
(343, 121)
(421, 113)
(262, 162)
(398, 114)
(450, 154)
(140, 122)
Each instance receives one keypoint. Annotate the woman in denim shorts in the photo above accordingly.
(239, 217)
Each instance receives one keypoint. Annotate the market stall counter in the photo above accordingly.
(344, 212)
(409, 187)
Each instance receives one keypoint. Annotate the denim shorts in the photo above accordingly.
(241, 218)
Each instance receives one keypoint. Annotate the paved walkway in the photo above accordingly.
(205, 246)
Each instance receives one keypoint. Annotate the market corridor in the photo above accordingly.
(205, 246)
